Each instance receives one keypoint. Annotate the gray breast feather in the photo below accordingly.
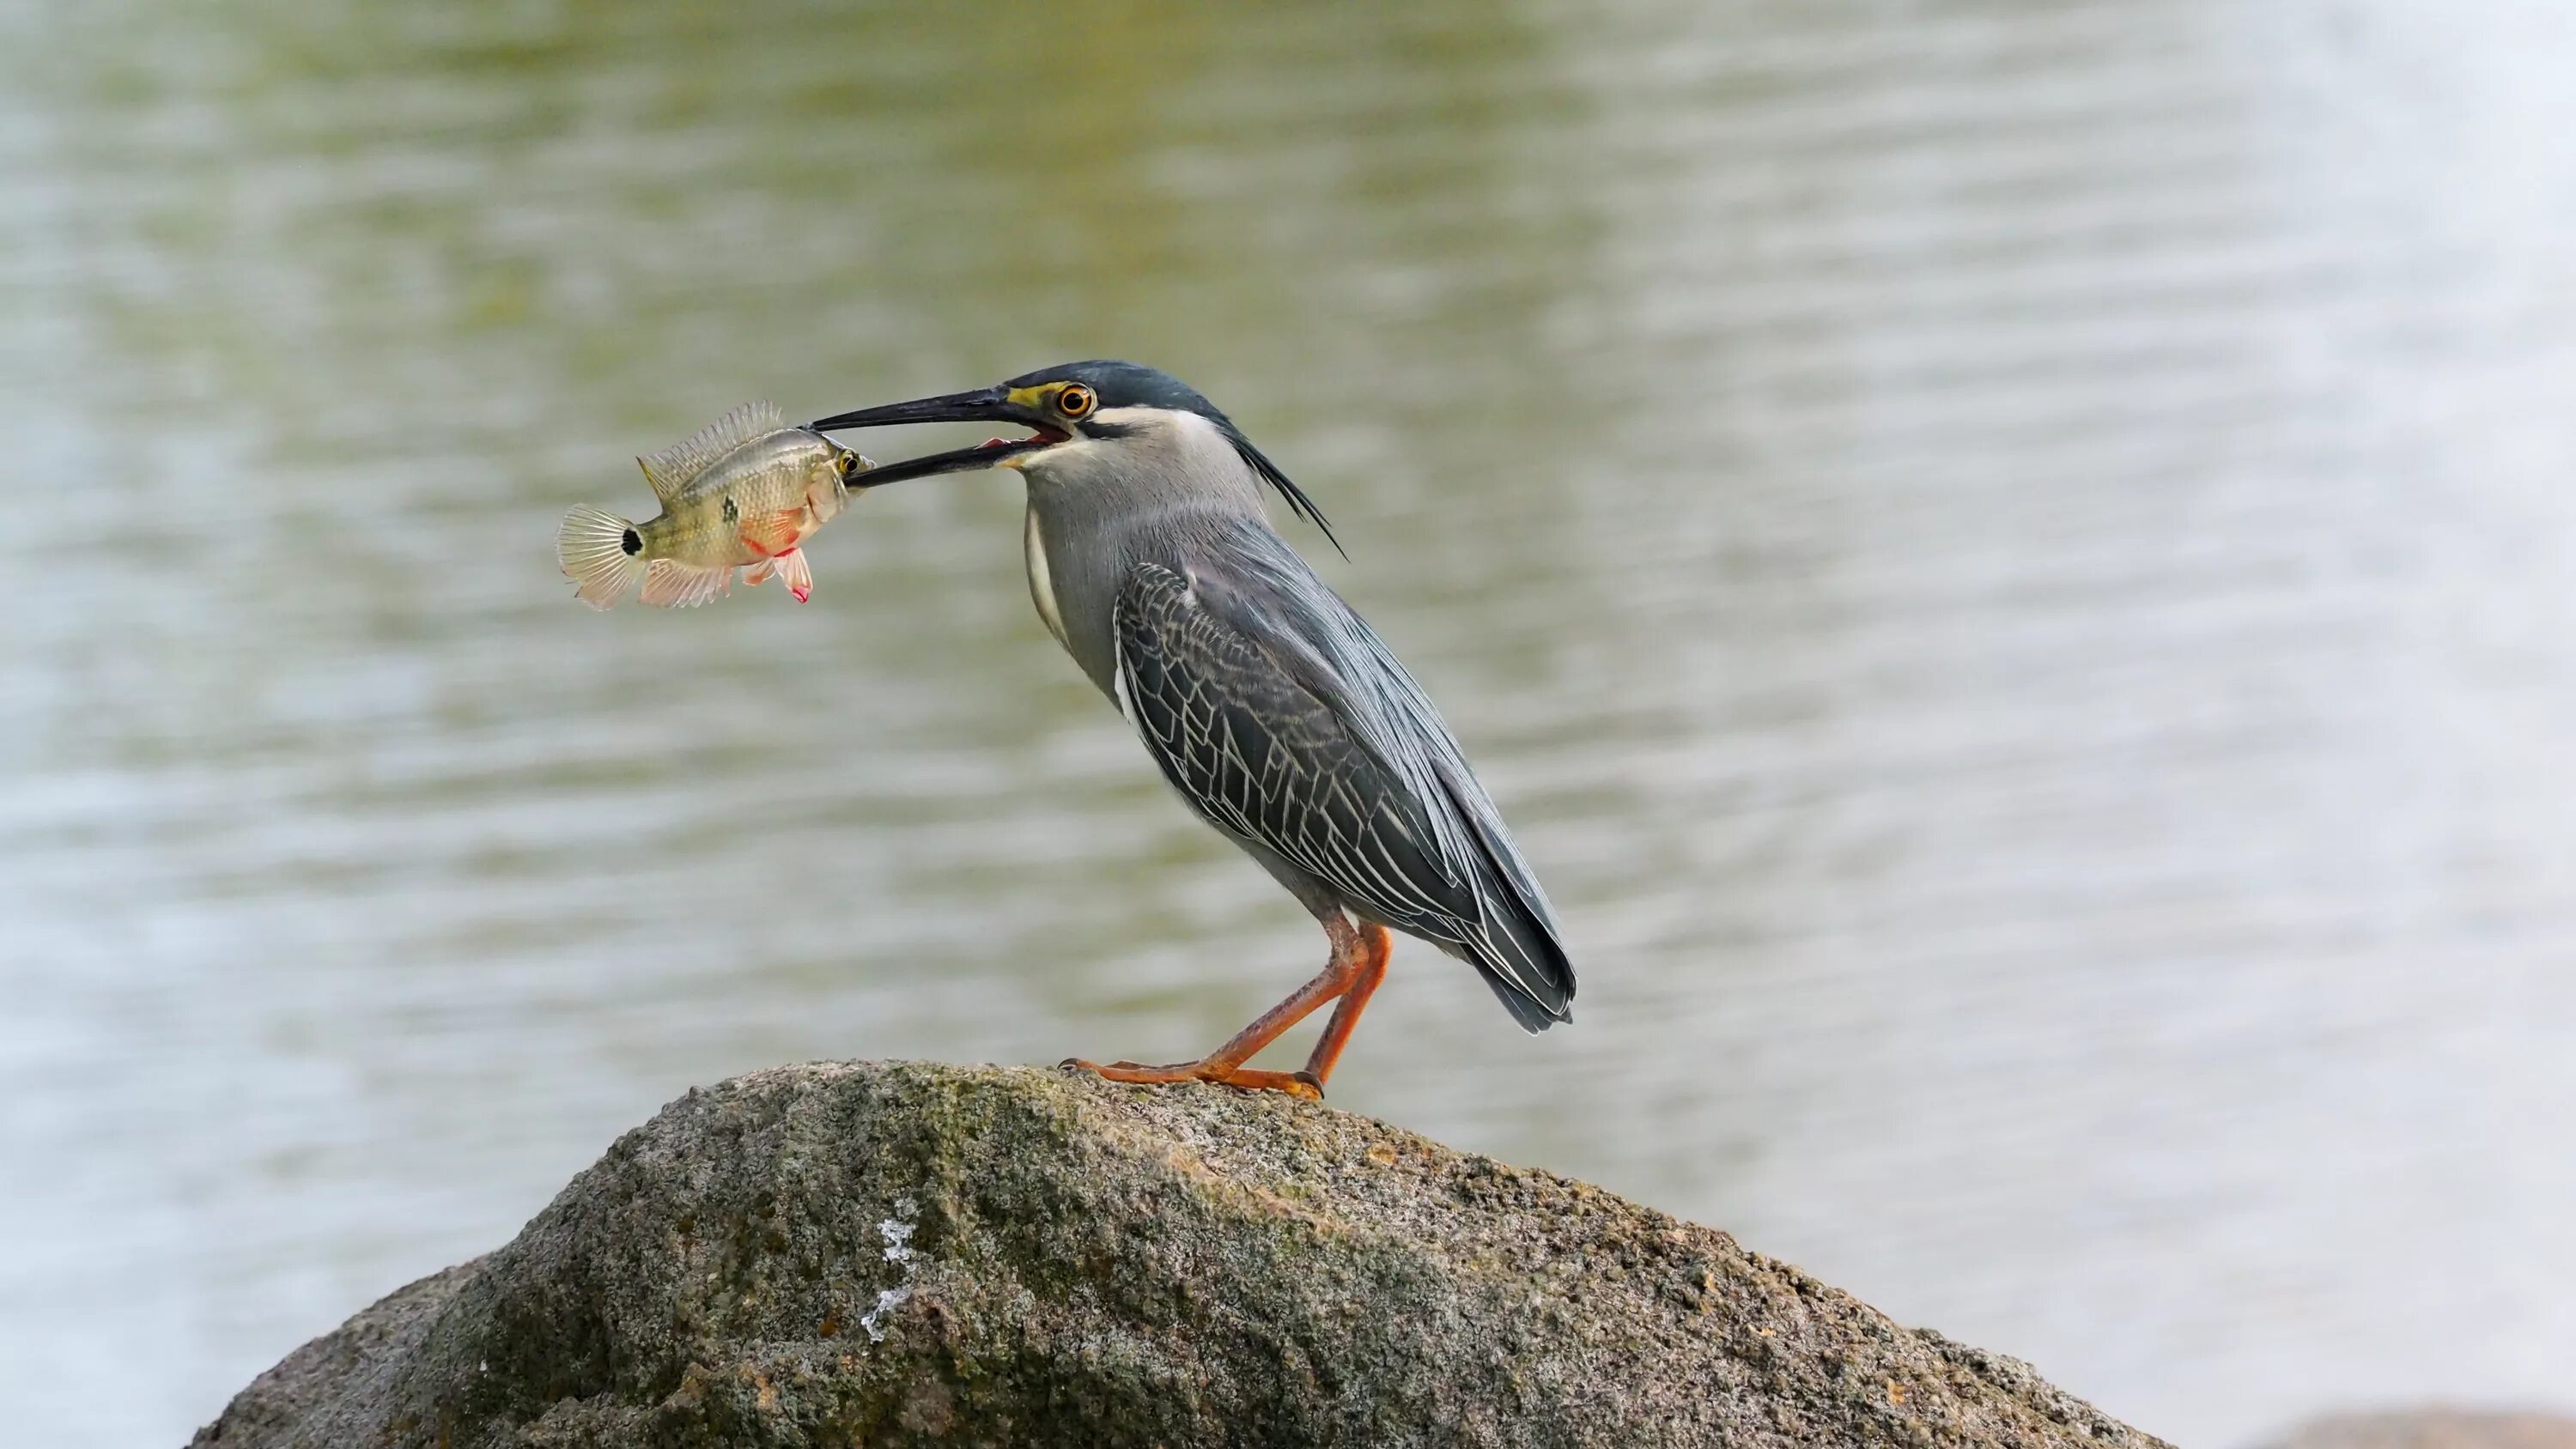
(1285, 721)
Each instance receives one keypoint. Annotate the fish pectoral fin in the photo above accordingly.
(756, 575)
(792, 571)
(773, 533)
(671, 584)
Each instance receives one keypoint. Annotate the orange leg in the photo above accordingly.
(1357, 965)
(1376, 945)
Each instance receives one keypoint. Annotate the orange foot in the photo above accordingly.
(1253, 1079)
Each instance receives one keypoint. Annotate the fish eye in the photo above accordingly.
(1076, 401)
(846, 463)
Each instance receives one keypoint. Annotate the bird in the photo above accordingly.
(1275, 711)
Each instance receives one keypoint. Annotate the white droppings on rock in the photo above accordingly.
(887, 1302)
(897, 1232)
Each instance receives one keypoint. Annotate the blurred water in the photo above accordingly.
(2010, 564)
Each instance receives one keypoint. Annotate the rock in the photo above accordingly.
(2434, 1429)
(847, 1254)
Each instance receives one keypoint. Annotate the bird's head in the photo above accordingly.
(1098, 405)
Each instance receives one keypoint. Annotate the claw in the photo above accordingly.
(1298, 1085)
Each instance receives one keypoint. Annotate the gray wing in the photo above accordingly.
(1344, 771)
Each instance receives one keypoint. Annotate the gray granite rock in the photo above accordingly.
(898, 1254)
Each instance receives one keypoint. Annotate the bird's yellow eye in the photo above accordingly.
(1075, 401)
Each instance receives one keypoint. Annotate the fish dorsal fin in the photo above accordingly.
(676, 466)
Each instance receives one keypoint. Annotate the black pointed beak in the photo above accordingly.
(983, 405)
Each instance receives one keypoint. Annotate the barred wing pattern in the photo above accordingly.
(1268, 760)
(1321, 640)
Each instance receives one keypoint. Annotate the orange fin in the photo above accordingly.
(773, 533)
(756, 575)
(793, 573)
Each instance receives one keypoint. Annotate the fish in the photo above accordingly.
(744, 492)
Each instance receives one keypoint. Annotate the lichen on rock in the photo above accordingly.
(898, 1254)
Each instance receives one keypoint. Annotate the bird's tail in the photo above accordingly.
(1526, 965)
(1513, 943)
(601, 552)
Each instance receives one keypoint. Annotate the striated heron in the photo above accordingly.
(1272, 707)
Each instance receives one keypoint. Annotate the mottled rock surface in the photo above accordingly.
(845, 1254)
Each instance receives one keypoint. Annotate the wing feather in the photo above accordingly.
(1264, 588)
(1345, 787)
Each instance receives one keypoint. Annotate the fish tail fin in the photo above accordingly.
(601, 552)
